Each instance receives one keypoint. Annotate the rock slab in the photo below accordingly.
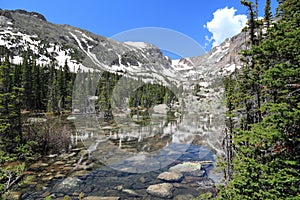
(186, 167)
(163, 190)
(170, 176)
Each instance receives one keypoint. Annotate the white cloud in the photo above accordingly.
(225, 24)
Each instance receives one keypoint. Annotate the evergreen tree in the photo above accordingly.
(27, 80)
(62, 88)
(266, 160)
(250, 6)
(268, 13)
(67, 90)
(36, 87)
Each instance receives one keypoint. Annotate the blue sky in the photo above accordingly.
(110, 17)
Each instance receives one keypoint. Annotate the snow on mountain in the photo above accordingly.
(138, 44)
(50, 43)
(182, 64)
(220, 61)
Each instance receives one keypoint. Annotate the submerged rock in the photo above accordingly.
(68, 183)
(142, 179)
(206, 184)
(184, 197)
(119, 188)
(130, 192)
(59, 163)
(101, 198)
(163, 190)
(80, 173)
(170, 176)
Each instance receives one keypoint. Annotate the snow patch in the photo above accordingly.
(231, 68)
(137, 44)
(87, 37)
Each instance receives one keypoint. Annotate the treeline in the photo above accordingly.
(119, 90)
(263, 118)
(29, 87)
(151, 94)
(40, 88)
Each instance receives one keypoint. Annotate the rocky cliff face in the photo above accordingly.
(219, 61)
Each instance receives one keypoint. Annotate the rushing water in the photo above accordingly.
(134, 150)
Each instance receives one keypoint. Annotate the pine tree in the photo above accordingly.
(268, 13)
(53, 91)
(231, 104)
(62, 88)
(252, 27)
(68, 82)
(27, 80)
(36, 87)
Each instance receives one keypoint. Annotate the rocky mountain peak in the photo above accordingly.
(31, 14)
(8, 14)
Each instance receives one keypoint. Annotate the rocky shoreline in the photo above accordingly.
(76, 174)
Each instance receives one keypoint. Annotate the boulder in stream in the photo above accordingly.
(163, 190)
(68, 183)
(170, 176)
(184, 197)
(186, 167)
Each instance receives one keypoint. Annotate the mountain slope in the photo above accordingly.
(27, 31)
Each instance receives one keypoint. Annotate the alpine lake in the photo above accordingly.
(140, 154)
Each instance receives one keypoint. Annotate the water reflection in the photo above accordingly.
(136, 152)
(138, 142)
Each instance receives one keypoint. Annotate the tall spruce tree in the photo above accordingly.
(268, 13)
(27, 80)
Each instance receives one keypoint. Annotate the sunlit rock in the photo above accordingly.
(170, 176)
(163, 190)
(186, 167)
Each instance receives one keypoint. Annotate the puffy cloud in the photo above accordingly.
(225, 24)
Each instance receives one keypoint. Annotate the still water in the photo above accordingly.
(133, 149)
